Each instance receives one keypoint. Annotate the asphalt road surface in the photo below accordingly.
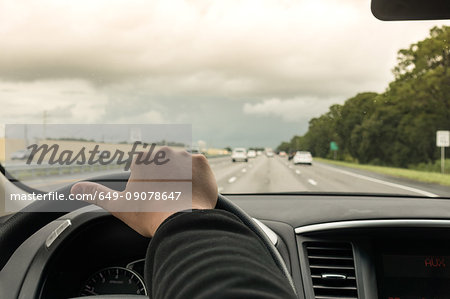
(276, 174)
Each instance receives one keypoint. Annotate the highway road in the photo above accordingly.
(276, 174)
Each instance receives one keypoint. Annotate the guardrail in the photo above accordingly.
(24, 171)
(30, 171)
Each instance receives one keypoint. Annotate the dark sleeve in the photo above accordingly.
(211, 254)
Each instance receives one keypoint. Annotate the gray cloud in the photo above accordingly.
(289, 110)
(233, 45)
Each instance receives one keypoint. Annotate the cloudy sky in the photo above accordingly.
(242, 72)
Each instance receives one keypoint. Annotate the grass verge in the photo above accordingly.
(417, 175)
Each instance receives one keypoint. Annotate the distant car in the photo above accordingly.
(251, 154)
(239, 154)
(269, 154)
(282, 154)
(21, 154)
(303, 158)
(259, 153)
(193, 150)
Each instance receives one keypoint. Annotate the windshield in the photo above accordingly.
(361, 101)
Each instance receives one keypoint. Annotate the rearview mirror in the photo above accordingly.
(397, 10)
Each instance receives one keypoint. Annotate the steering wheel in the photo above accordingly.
(21, 225)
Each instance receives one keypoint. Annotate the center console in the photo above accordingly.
(389, 259)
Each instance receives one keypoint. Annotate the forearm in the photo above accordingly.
(211, 254)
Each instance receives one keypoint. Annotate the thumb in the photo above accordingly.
(93, 193)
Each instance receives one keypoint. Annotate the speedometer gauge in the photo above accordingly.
(114, 280)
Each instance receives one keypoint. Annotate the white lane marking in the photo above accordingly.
(220, 189)
(290, 166)
(297, 171)
(232, 179)
(312, 182)
(244, 170)
(426, 193)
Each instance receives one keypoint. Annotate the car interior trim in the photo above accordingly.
(372, 223)
(57, 232)
(270, 233)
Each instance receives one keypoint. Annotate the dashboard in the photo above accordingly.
(104, 256)
(335, 246)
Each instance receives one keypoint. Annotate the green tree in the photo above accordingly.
(398, 126)
(352, 115)
(284, 146)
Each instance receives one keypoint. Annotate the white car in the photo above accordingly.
(251, 154)
(269, 154)
(239, 154)
(193, 150)
(303, 158)
(21, 154)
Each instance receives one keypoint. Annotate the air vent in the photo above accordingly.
(332, 270)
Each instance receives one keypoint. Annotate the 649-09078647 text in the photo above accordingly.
(102, 196)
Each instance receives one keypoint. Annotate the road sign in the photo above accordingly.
(443, 138)
(443, 141)
(334, 146)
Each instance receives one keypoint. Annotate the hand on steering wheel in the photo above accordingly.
(146, 218)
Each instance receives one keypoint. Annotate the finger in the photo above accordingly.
(93, 193)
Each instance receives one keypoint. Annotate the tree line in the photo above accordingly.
(396, 127)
